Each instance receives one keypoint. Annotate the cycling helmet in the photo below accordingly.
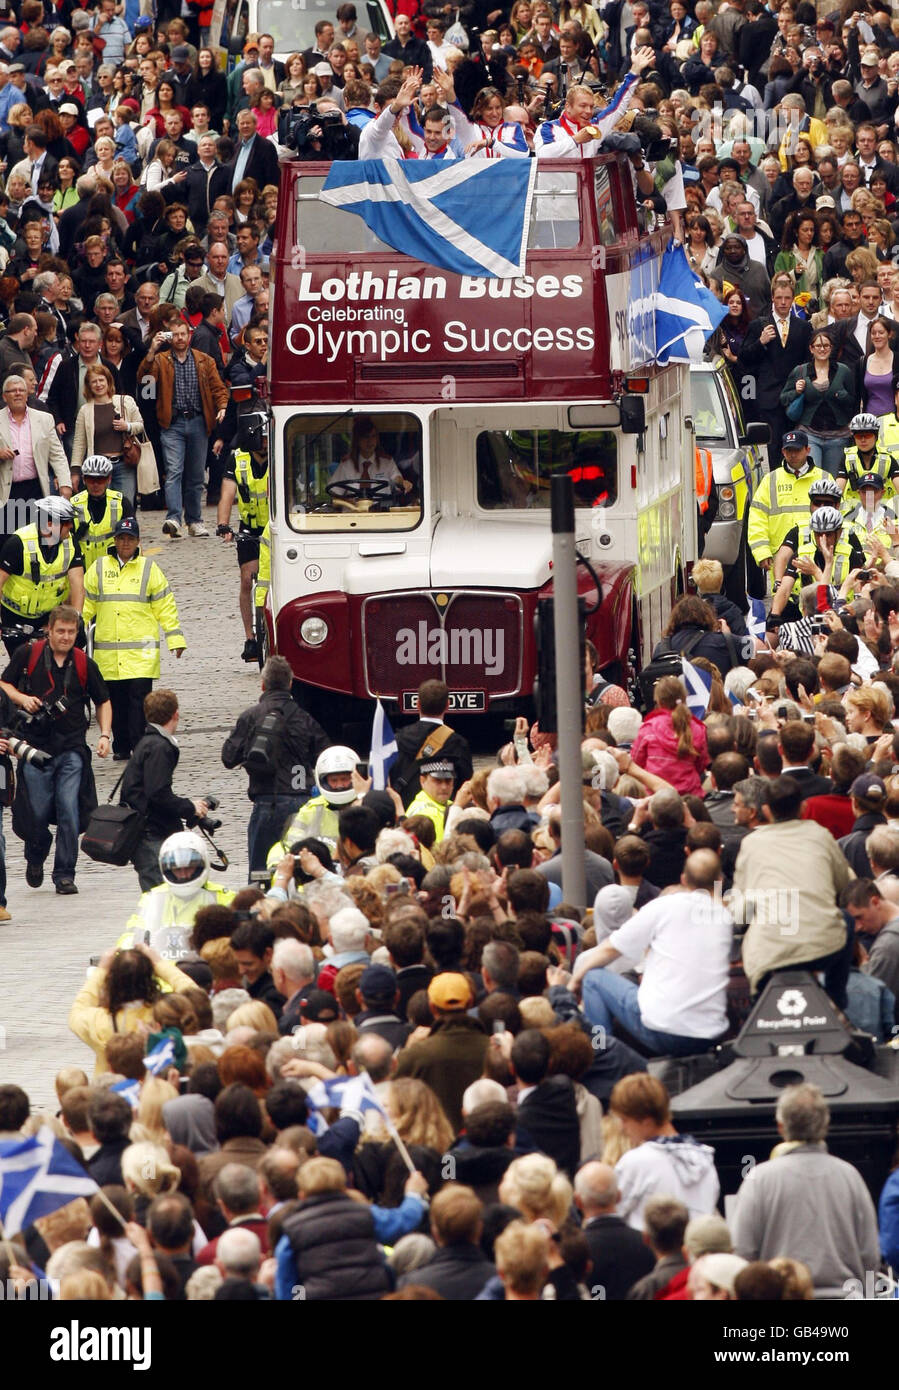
(826, 520)
(96, 466)
(336, 760)
(184, 863)
(864, 424)
(55, 509)
(826, 491)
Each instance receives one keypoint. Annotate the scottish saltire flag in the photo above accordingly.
(130, 1090)
(469, 216)
(755, 619)
(341, 1092)
(686, 313)
(383, 749)
(161, 1058)
(699, 688)
(36, 1177)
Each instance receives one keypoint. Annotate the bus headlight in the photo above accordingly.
(313, 631)
(727, 508)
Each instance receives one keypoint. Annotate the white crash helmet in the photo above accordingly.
(864, 424)
(55, 510)
(184, 863)
(96, 466)
(336, 759)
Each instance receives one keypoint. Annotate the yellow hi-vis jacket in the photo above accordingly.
(264, 573)
(315, 820)
(164, 921)
(779, 504)
(424, 805)
(95, 537)
(252, 492)
(130, 602)
(44, 583)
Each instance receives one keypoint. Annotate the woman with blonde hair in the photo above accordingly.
(867, 711)
(256, 1015)
(147, 1171)
(537, 1188)
(421, 1123)
(148, 1124)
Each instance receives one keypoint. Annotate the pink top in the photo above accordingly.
(23, 466)
(655, 748)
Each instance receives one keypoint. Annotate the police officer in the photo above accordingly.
(318, 819)
(871, 516)
(147, 786)
(41, 566)
(824, 556)
(246, 477)
(263, 583)
(129, 598)
(98, 508)
(278, 744)
(781, 499)
(865, 455)
(164, 917)
(823, 492)
(436, 789)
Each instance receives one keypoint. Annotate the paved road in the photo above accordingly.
(45, 948)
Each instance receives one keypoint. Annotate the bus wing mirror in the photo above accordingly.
(235, 45)
(756, 433)
(376, 21)
(633, 414)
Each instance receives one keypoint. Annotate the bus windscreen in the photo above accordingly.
(358, 471)
(515, 467)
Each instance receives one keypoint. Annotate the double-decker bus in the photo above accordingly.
(418, 417)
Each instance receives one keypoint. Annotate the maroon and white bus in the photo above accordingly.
(417, 418)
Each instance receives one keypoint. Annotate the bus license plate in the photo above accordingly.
(460, 701)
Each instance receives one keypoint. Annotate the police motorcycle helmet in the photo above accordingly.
(334, 761)
(184, 863)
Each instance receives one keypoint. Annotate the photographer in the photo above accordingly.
(147, 786)
(278, 744)
(54, 682)
(319, 131)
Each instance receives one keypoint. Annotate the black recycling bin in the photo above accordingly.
(794, 1034)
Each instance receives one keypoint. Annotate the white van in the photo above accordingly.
(291, 23)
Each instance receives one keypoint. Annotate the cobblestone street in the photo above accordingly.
(46, 947)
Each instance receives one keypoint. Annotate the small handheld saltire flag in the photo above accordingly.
(130, 1090)
(699, 688)
(341, 1092)
(469, 216)
(755, 618)
(686, 312)
(37, 1176)
(383, 749)
(161, 1058)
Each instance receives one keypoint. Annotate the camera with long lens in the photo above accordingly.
(296, 132)
(48, 713)
(654, 144)
(262, 752)
(24, 751)
(207, 822)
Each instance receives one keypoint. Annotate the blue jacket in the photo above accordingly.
(888, 1220)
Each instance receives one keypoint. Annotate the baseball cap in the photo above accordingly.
(319, 1007)
(870, 480)
(449, 992)
(870, 58)
(68, 108)
(143, 21)
(824, 202)
(323, 70)
(127, 526)
(870, 786)
(16, 67)
(180, 53)
(129, 104)
(795, 439)
(377, 982)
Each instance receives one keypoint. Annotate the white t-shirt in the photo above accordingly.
(684, 986)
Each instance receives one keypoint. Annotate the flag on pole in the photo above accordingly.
(341, 1093)
(699, 688)
(755, 619)
(434, 211)
(37, 1176)
(383, 749)
(161, 1057)
(686, 313)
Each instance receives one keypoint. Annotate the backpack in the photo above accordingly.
(79, 661)
(667, 662)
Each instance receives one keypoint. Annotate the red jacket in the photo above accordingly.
(675, 1290)
(655, 748)
(832, 811)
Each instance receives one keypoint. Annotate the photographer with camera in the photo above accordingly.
(56, 682)
(278, 745)
(318, 130)
(130, 600)
(147, 786)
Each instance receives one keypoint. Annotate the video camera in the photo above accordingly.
(644, 136)
(297, 127)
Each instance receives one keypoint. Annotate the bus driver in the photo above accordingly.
(367, 461)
